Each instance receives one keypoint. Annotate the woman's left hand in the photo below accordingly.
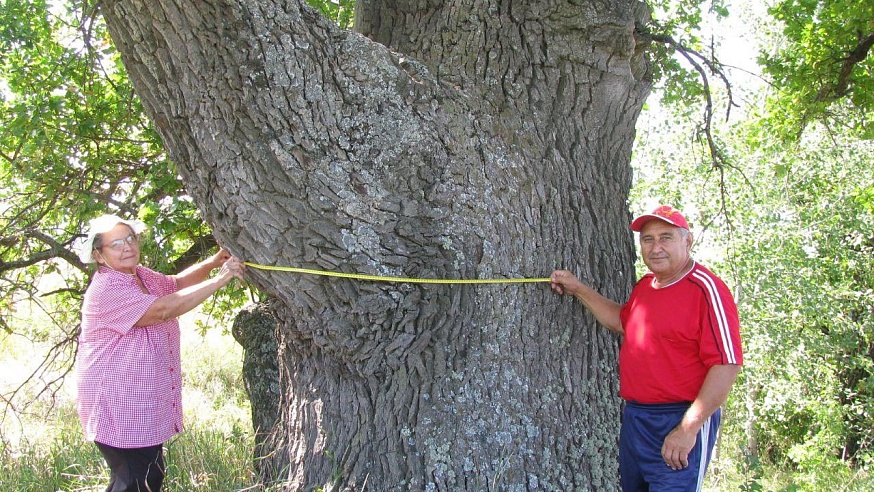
(233, 267)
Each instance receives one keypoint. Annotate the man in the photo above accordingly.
(680, 355)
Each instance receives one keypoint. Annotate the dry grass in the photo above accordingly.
(42, 447)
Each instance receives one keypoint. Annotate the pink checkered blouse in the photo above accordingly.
(130, 385)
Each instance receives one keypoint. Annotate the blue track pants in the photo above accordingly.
(641, 466)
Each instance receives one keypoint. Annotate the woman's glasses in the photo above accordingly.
(119, 244)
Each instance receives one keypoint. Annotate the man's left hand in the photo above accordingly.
(676, 448)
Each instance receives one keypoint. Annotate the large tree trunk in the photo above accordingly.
(464, 139)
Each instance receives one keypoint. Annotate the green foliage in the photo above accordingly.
(831, 252)
(66, 462)
(824, 71)
(342, 12)
(74, 140)
(685, 23)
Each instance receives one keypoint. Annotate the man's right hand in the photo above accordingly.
(564, 282)
(605, 310)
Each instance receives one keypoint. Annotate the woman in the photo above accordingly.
(128, 363)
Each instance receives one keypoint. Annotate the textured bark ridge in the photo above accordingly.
(255, 330)
(457, 139)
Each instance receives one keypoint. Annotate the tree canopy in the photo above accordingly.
(823, 70)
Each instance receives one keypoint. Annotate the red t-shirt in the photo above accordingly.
(674, 335)
(130, 386)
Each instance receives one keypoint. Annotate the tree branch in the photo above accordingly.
(699, 61)
(841, 87)
(55, 364)
(198, 250)
(693, 57)
(55, 250)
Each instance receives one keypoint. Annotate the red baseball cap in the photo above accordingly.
(666, 213)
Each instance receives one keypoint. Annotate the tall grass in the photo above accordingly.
(42, 448)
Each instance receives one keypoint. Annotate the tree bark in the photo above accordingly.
(255, 330)
(462, 139)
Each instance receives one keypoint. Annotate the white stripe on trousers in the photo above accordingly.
(704, 437)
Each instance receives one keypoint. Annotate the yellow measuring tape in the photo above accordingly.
(379, 278)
